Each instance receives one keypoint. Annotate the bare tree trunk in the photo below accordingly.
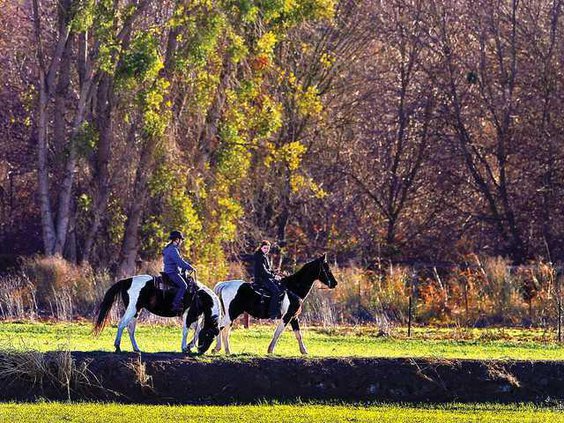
(545, 131)
(102, 175)
(60, 109)
(209, 132)
(47, 221)
(46, 82)
(130, 241)
(65, 192)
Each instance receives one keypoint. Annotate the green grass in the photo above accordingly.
(331, 342)
(93, 412)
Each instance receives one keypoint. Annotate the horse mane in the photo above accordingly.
(293, 279)
(213, 297)
(304, 268)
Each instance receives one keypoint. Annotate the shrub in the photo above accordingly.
(483, 292)
(64, 289)
(17, 297)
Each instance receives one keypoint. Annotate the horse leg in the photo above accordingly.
(131, 329)
(124, 321)
(279, 329)
(220, 339)
(217, 347)
(296, 327)
(190, 318)
(290, 308)
(197, 325)
(184, 331)
(226, 334)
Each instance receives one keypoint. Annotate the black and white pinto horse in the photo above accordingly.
(238, 296)
(140, 292)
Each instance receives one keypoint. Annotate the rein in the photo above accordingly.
(318, 277)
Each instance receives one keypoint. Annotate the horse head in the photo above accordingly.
(325, 275)
(207, 335)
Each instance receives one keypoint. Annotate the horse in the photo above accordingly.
(140, 292)
(238, 296)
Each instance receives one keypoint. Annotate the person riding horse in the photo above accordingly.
(174, 264)
(265, 277)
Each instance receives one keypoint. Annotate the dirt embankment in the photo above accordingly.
(176, 379)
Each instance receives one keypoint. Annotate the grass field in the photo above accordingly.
(337, 342)
(93, 412)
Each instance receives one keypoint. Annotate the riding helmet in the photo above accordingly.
(175, 235)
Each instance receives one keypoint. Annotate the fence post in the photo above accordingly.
(409, 317)
(559, 305)
(412, 283)
(246, 320)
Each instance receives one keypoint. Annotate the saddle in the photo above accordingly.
(163, 282)
(265, 293)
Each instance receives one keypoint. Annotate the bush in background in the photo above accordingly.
(482, 292)
(17, 297)
(64, 290)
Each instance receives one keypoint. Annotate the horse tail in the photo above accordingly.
(217, 289)
(107, 302)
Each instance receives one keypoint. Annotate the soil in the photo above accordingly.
(165, 378)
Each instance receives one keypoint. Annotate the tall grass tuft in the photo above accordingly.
(58, 369)
(362, 296)
(17, 297)
(482, 291)
(139, 369)
(63, 289)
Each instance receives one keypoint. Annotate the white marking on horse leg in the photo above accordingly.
(137, 284)
(276, 336)
(124, 321)
(226, 291)
(219, 338)
(227, 333)
(184, 332)
(131, 329)
(117, 341)
(303, 348)
(285, 305)
(217, 347)
(196, 326)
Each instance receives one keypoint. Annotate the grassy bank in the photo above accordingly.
(524, 344)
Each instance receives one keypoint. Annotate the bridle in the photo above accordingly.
(322, 269)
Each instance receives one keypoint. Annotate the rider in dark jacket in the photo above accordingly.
(265, 276)
(174, 264)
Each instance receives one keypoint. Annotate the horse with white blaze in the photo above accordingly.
(141, 292)
(238, 296)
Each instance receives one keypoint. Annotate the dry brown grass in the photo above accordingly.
(39, 369)
(17, 297)
(487, 291)
(139, 369)
(63, 289)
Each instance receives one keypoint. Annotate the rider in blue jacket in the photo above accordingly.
(174, 265)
